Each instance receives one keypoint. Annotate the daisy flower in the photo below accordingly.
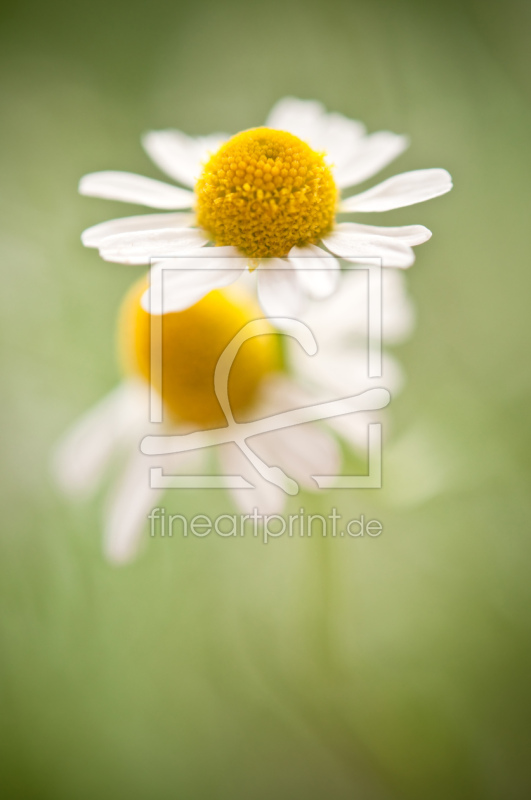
(271, 374)
(268, 198)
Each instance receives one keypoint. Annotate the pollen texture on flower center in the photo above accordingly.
(192, 342)
(265, 191)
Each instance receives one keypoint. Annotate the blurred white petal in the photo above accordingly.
(318, 272)
(354, 428)
(266, 497)
(86, 449)
(128, 507)
(301, 451)
(344, 316)
(341, 370)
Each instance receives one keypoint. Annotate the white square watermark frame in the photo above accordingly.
(373, 267)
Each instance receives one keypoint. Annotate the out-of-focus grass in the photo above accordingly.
(394, 667)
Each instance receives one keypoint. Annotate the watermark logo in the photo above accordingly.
(240, 433)
(265, 526)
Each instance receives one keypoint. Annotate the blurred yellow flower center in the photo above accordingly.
(192, 342)
(265, 191)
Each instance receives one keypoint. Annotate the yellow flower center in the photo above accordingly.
(192, 342)
(265, 191)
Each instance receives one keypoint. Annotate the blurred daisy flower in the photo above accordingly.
(268, 198)
(269, 375)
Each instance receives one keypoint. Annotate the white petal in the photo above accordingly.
(347, 371)
(401, 190)
(373, 153)
(408, 234)
(361, 249)
(279, 292)
(344, 316)
(354, 428)
(181, 156)
(265, 497)
(334, 372)
(340, 138)
(398, 309)
(131, 188)
(132, 499)
(93, 237)
(337, 135)
(300, 117)
(127, 513)
(82, 456)
(188, 279)
(342, 371)
(208, 145)
(317, 270)
(279, 392)
(144, 247)
(301, 451)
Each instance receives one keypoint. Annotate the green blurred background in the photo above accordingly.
(396, 667)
